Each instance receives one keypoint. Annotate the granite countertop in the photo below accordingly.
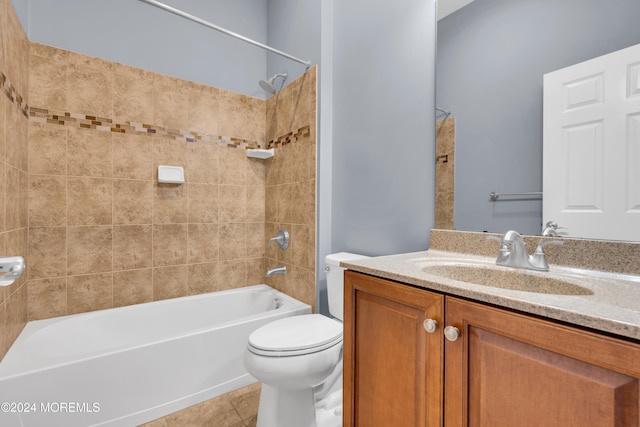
(610, 303)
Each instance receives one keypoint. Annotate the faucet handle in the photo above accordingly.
(550, 242)
(539, 260)
(282, 239)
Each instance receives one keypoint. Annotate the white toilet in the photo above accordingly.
(299, 361)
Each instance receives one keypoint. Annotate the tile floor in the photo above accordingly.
(238, 408)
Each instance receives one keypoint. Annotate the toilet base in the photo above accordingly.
(286, 408)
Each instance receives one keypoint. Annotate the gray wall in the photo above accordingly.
(490, 61)
(140, 35)
(383, 125)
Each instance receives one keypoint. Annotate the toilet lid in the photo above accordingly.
(296, 333)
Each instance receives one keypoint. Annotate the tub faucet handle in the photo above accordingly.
(282, 239)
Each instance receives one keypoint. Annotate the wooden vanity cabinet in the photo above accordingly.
(392, 366)
(505, 369)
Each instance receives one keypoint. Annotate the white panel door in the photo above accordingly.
(591, 178)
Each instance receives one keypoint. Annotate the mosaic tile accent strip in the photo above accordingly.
(42, 115)
(13, 95)
(290, 137)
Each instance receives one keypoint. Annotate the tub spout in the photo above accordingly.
(278, 270)
(12, 267)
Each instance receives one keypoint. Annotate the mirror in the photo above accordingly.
(491, 58)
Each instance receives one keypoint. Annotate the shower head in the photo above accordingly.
(268, 86)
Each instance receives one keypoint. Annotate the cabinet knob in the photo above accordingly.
(430, 325)
(451, 333)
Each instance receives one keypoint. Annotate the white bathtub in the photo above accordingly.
(126, 366)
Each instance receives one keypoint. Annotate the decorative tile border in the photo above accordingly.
(41, 115)
(13, 95)
(84, 121)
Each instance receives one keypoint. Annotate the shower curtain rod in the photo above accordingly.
(223, 30)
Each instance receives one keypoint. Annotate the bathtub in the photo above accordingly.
(130, 365)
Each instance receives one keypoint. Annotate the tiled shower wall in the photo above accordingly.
(14, 87)
(99, 230)
(445, 173)
(291, 184)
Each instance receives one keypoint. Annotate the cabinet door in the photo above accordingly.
(392, 365)
(508, 369)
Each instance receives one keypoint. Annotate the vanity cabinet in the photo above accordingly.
(504, 368)
(392, 366)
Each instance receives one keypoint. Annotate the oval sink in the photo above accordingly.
(506, 278)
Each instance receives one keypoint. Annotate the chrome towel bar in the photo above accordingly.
(495, 196)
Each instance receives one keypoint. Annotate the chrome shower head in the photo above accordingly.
(268, 85)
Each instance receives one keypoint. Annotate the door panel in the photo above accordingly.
(508, 369)
(591, 147)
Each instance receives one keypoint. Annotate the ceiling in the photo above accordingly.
(446, 7)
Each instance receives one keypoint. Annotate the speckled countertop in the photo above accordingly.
(600, 300)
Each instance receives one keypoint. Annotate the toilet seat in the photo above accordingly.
(296, 335)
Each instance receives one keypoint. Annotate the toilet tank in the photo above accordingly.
(335, 281)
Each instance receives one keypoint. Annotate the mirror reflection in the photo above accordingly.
(491, 58)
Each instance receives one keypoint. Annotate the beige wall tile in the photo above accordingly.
(46, 90)
(203, 203)
(169, 203)
(203, 278)
(89, 153)
(132, 156)
(203, 245)
(132, 287)
(170, 282)
(3, 192)
(132, 247)
(170, 101)
(232, 203)
(255, 239)
(132, 94)
(204, 110)
(257, 172)
(16, 312)
(16, 52)
(90, 292)
(232, 241)
(233, 167)
(47, 298)
(132, 201)
(232, 274)
(89, 201)
(47, 201)
(256, 203)
(12, 198)
(47, 252)
(169, 244)
(89, 249)
(89, 88)
(241, 116)
(202, 163)
(15, 132)
(47, 149)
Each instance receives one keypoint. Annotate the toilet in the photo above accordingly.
(298, 359)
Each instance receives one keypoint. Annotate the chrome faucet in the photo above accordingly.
(277, 270)
(513, 252)
(282, 239)
(12, 267)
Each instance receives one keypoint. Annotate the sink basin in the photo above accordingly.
(506, 278)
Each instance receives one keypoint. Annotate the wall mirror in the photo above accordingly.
(491, 58)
